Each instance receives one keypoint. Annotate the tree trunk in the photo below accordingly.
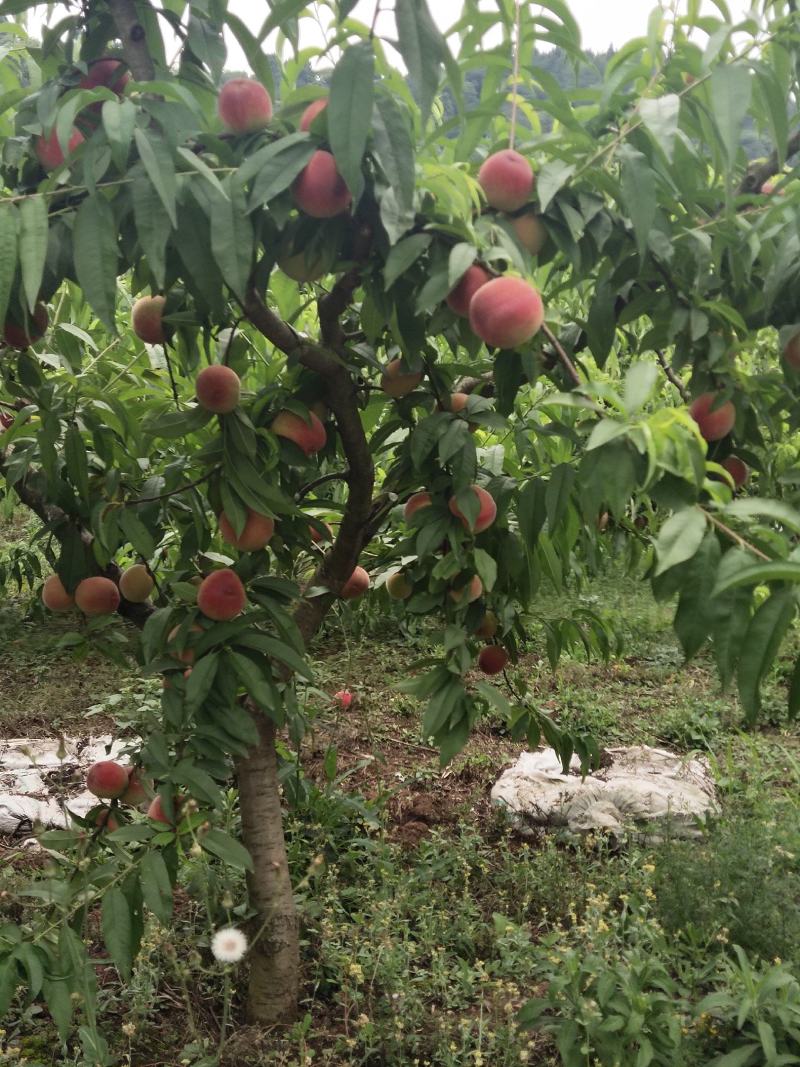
(275, 955)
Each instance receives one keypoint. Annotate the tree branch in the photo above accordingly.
(134, 39)
(672, 376)
(569, 366)
(332, 305)
(757, 173)
(333, 476)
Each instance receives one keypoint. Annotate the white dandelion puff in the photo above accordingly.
(229, 945)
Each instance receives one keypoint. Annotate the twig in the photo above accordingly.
(334, 476)
(569, 366)
(172, 492)
(734, 536)
(672, 376)
(517, 48)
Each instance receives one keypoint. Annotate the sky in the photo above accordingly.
(602, 22)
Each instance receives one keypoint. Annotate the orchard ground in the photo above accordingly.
(426, 922)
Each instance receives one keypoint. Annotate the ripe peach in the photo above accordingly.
(507, 180)
(488, 626)
(769, 187)
(344, 698)
(487, 512)
(791, 352)
(49, 151)
(398, 586)
(737, 468)
(18, 336)
(107, 779)
(97, 596)
(258, 529)
(135, 792)
(506, 312)
(473, 591)
(308, 434)
(156, 811)
(415, 502)
(458, 402)
(136, 583)
(320, 190)
(244, 105)
(716, 424)
(316, 536)
(530, 232)
(222, 596)
(356, 584)
(218, 389)
(107, 73)
(187, 654)
(312, 111)
(471, 281)
(492, 659)
(106, 819)
(54, 595)
(146, 319)
(397, 382)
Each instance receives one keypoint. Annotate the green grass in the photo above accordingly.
(426, 922)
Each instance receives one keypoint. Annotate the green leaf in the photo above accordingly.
(95, 253)
(640, 382)
(280, 651)
(8, 254)
(760, 646)
(731, 87)
(136, 532)
(259, 687)
(758, 574)
(462, 256)
(274, 168)
(227, 848)
(679, 538)
(117, 930)
(794, 691)
(152, 225)
(202, 168)
(201, 680)
(394, 148)
(423, 49)
(403, 254)
(156, 886)
(660, 116)
(32, 245)
(638, 193)
(57, 995)
(119, 120)
(77, 461)
(749, 507)
(232, 239)
(552, 177)
(740, 1057)
(159, 164)
(350, 112)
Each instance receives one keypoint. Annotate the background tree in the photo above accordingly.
(228, 325)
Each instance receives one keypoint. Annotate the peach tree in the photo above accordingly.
(324, 332)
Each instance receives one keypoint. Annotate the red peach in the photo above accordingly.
(106, 819)
(414, 503)
(308, 434)
(507, 180)
(473, 591)
(186, 655)
(107, 73)
(135, 792)
(54, 595)
(713, 424)
(107, 779)
(471, 281)
(258, 529)
(791, 352)
(146, 319)
(320, 190)
(222, 596)
(18, 336)
(97, 596)
(530, 232)
(312, 111)
(737, 468)
(397, 382)
(244, 105)
(487, 511)
(344, 698)
(49, 150)
(218, 389)
(156, 811)
(317, 536)
(492, 659)
(506, 312)
(136, 583)
(356, 585)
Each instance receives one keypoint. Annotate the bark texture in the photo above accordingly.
(275, 952)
